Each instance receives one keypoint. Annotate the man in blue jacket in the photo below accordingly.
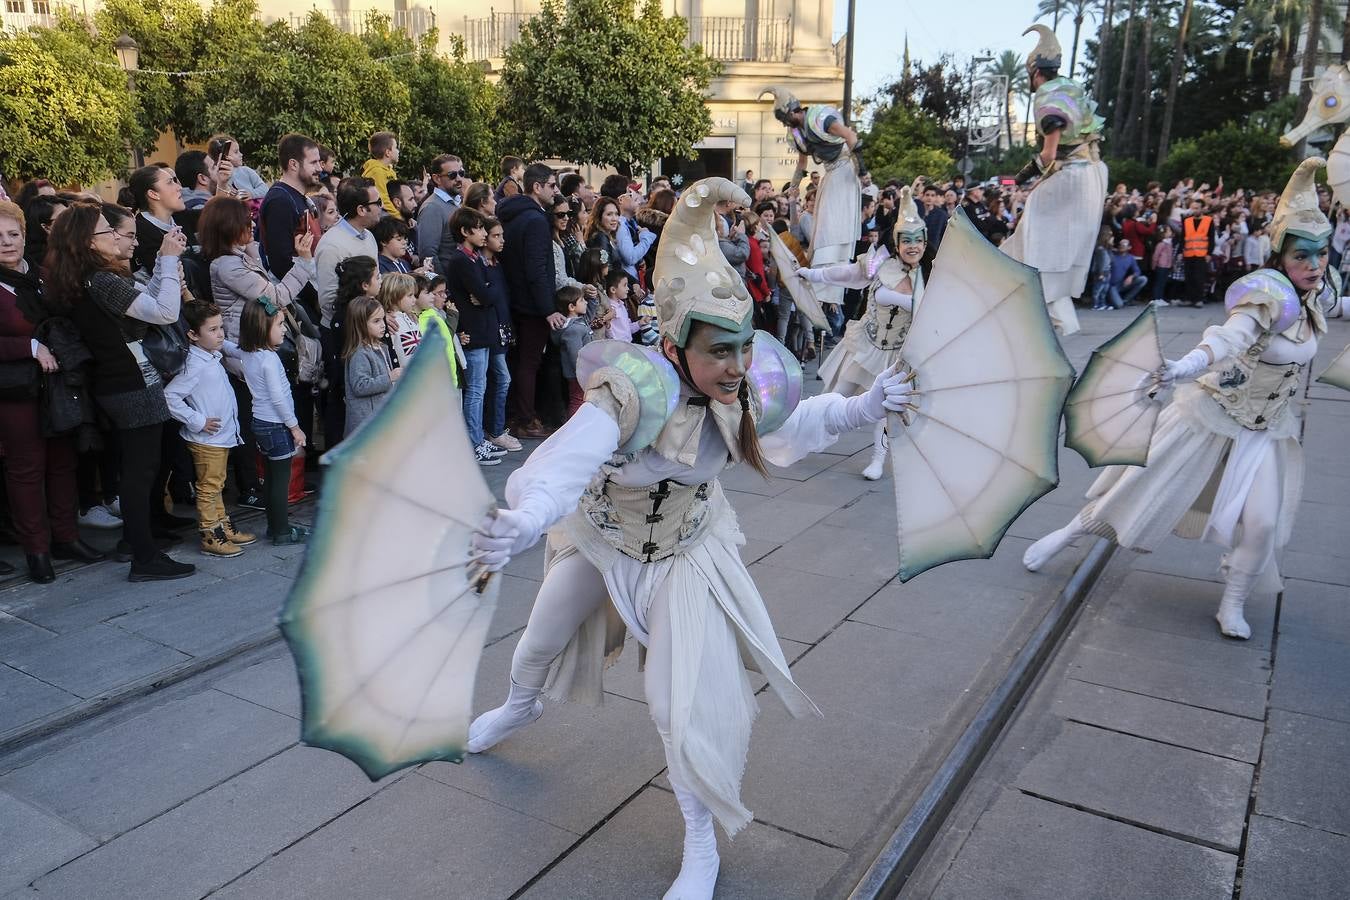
(1126, 279)
(527, 262)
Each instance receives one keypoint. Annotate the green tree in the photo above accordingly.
(1243, 156)
(1009, 65)
(904, 142)
(65, 113)
(624, 91)
(315, 79)
(453, 105)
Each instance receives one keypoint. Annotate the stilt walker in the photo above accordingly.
(1063, 213)
(1225, 463)
(892, 283)
(818, 131)
(642, 539)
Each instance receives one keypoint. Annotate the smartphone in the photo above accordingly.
(303, 226)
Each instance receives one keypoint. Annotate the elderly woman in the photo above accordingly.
(39, 470)
(89, 278)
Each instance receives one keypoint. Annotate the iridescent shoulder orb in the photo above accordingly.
(1267, 296)
(775, 379)
(644, 383)
(1067, 101)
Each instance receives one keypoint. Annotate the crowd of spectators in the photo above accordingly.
(213, 331)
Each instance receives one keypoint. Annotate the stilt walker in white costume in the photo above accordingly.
(642, 539)
(1064, 211)
(818, 131)
(892, 284)
(1225, 463)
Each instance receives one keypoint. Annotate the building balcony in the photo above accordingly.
(20, 15)
(723, 38)
(415, 22)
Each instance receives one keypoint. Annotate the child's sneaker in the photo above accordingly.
(236, 537)
(214, 543)
(506, 441)
(486, 457)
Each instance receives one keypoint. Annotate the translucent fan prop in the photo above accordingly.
(388, 616)
(803, 294)
(1108, 418)
(991, 379)
(1338, 373)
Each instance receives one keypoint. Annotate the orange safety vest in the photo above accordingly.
(1195, 230)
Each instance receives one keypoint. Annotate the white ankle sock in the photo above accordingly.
(880, 444)
(1041, 552)
(698, 871)
(522, 707)
(1237, 589)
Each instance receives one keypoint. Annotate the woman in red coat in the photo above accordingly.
(39, 470)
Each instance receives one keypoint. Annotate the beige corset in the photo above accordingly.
(885, 326)
(648, 523)
(1255, 394)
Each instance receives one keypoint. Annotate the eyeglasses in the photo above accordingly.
(562, 215)
(459, 174)
(109, 231)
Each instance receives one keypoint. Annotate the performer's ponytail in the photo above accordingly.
(750, 449)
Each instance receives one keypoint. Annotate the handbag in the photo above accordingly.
(166, 347)
(20, 380)
(308, 350)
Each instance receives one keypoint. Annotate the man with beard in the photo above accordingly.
(447, 180)
(287, 203)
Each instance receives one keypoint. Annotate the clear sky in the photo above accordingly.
(964, 28)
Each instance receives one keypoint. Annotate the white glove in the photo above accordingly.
(1151, 389)
(815, 276)
(1188, 367)
(889, 392)
(503, 535)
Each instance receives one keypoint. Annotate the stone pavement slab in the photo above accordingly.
(806, 607)
(213, 617)
(94, 659)
(33, 842)
(1184, 606)
(1175, 681)
(1173, 790)
(1316, 610)
(637, 854)
(26, 698)
(1160, 720)
(217, 835)
(1312, 677)
(415, 839)
(271, 683)
(1288, 860)
(1305, 772)
(116, 779)
(1025, 848)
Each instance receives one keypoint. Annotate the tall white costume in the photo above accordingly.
(872, 343)
(1225, 463)
(1063, 213)
(837, 223)
(642, 539)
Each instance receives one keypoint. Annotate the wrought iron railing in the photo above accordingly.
(742, 39)
(724, 38)
(415, 22)
(20, 16)
(488, 37)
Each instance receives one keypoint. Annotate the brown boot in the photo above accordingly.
(214, 543)
(239, 538)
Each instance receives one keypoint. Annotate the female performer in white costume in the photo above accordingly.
(1064, 211)
(1225, 463)
(892, 286)
(643, 539)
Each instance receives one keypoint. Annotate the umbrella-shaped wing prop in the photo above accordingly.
(803, 294)
(1108, 419)
(982, 443)
(388, 616)
(1338, 373)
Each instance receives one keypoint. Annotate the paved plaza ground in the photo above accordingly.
(150, 732)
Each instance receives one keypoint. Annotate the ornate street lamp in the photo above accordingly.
(129, 57)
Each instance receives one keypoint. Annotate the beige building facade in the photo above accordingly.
(758, 43)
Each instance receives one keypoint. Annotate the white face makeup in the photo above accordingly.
(717, 358)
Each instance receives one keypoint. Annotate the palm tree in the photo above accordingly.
(1079, 8)
(1009, 65)
(1309, 57)
(1178, 61)
(1118, 115)
(1274, 24)
(1103, 41)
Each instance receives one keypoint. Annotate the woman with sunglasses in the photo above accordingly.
(89, 279)
(564, 271)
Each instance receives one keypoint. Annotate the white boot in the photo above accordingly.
(522, 707)
(1041, 552)
(1235, 593)
(698, 871)
(880, 444)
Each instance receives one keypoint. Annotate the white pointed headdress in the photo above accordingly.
(907, 219)
(1297, 211)
(784, 103)
(1047, 54)
(692, 279)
